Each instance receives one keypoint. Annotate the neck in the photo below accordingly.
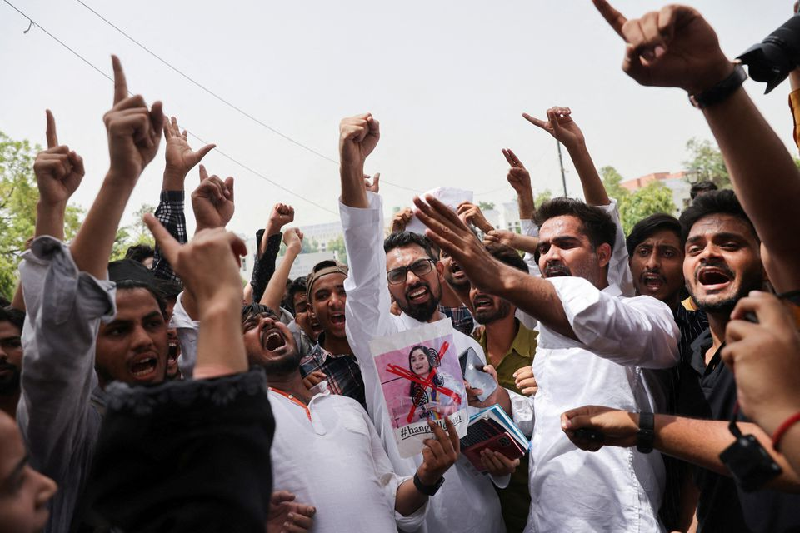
(718, 322)
(8, 404)
(290, 383)
(673, 302)
(336, 345)
(500, 336)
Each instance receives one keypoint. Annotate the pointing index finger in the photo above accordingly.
(614, 18)
(169, 246)
(52, 136)
(120, 83)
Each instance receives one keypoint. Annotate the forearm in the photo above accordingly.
(765, 179)
(536, 297)
(173, 179)
(354, 191)
(408, 499)
(91, 248)
(593, 190)
(525, 204)
(700, 442)
(50, 220)
(277, 284)
(220, 348)
(525, 243)
(264, 267)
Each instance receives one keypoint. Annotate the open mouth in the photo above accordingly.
(714, 278)
(482, 302)
(418, 294)
(272, 340)
(456, 271)
(552, 271)
(144, 368)
(337, 319)
(652, 281)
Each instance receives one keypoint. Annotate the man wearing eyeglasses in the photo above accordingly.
(409, 273)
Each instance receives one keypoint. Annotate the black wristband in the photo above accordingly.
(646, 434)
(721, 91)
(427, 490)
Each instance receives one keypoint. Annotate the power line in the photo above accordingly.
(217, 150)
(220, 98)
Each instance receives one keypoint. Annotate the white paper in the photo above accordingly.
(449, 196)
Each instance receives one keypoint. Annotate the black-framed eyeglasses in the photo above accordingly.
(420, 268)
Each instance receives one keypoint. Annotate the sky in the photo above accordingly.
(448, 81)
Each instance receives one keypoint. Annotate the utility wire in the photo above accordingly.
(220, 98)
(217, 150)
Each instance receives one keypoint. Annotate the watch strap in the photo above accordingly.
(646, 434)
(722, 90)
(428, 490)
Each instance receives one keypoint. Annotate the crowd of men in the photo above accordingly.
(656, 375)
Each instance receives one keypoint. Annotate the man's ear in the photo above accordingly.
(440, 271)
(603, 254)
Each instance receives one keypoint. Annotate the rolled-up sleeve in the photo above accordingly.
(187, 337)
(64, 308)
(637, 331)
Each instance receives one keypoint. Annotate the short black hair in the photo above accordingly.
(401, 239)
(712, 203)
(15, 316)
(507, 255)
(597, 225)
(132, 284)
(298, 285)
(252, 310)
(650, 225)
(170, 289)
(140, 252)
(702, 187)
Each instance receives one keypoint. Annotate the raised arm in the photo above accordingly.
(293, 238)
(134, 133)
(269, 244)
(560, 125)
(358, 136)
(180, 160)
(59, 172)
(676, 47)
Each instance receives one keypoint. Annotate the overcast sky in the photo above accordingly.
(448, 81)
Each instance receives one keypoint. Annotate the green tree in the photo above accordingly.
(705, 163)
(485, 206)
(542, 197)
(18, 199)
(612, 182)
(654, 198)
(337, 246)
(309, 246)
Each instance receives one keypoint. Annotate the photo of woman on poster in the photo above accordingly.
(431, 403)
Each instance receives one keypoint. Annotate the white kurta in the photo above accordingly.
(614, 489)
(336, 462)
(467, 502)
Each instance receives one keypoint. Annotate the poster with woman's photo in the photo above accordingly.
(421, 380)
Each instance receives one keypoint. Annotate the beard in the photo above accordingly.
(500, 312)
(422, 312)
(9, 385)
(556, 269)
(287, 364)
(751, 281)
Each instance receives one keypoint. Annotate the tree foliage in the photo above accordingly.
(18, 199)
(337, 246)
(634, 206)
(542, 197)
(486, 206)
(136, 233)
(705, 163)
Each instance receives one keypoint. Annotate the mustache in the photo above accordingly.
(721, 265)
(5, 365)
(652, 273)
(416, 286)
(557, 269)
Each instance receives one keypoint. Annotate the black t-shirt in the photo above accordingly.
(709, 392)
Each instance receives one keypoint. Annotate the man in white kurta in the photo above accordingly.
(466, 502)
(594, 347)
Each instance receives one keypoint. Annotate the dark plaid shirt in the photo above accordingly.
(170, 214)
(343, 372)
(461, 317)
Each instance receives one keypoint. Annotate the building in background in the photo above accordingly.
(677, 182)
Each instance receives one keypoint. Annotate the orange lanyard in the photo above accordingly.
(293, 399)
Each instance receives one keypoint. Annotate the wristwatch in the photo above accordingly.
(722, 90)
(646, 433)
(428, 490)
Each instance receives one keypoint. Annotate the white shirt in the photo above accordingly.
(336, 462)
(467, 502)
(614, 489)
